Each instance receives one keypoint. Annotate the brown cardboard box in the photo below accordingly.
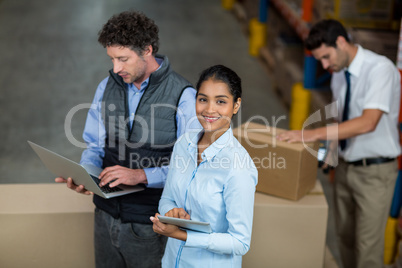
(288, 233)
(285, 169)
(45, 225)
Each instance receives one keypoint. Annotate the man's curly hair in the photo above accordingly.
(130, 29)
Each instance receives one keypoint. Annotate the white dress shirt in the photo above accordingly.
(375, 84)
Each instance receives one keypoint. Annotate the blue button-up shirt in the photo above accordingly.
(220, 190)
(94, 132)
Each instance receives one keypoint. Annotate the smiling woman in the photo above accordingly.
(213, 187)
(218, 99)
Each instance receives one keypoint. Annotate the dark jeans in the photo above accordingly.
(126, 244)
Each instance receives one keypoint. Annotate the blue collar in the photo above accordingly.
(212, 150)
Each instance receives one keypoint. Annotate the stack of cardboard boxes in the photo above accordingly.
(374, 14)
(290, 211)
(373, 24)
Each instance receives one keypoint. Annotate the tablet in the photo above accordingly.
(198, 226)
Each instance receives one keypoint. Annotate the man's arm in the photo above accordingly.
(94, 136)
(94, 131)
(365, 123)
(186, 121)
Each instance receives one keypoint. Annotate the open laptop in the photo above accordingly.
(198, 226)
(86, 175)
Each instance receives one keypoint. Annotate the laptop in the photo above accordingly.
(198, 226)
(86, 175)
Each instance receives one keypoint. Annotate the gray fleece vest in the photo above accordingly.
(150, 141)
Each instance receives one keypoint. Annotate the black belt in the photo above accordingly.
(371, 161)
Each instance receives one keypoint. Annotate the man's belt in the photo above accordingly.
(371, 161)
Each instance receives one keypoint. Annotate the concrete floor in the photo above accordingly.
(52, 63)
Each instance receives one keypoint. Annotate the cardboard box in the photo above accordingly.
(287, 170)
(45, 225)
(288, 233)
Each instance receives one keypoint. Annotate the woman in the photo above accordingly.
(211, 179)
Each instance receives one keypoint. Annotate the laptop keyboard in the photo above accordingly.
(106, 189)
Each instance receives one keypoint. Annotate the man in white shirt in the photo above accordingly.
(366, 87)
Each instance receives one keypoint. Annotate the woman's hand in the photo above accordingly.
(178, 213)
(169, 230)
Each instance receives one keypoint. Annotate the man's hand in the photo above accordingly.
(363, 124)
(331, 159)
(121, 175)
(297, 136)
(70, 184)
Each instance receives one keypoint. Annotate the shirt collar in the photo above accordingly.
(357, 63)
(212, 150)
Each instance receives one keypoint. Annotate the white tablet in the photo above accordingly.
(198, 226)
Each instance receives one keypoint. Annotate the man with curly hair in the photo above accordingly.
(137, 114)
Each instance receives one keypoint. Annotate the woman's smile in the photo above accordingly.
(211, 119)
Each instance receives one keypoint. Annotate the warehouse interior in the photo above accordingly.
(52, 64)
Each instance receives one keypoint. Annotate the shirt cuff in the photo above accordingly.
(197, 239)
(156, 176)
